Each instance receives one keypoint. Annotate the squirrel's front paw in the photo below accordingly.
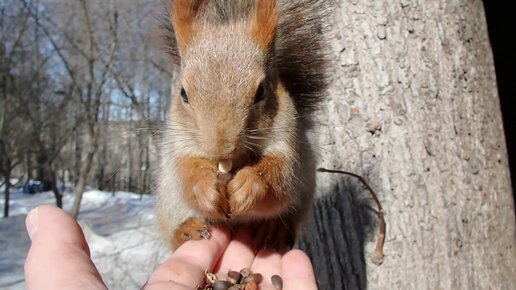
(201, 190)
(190, 229)
(245, 190)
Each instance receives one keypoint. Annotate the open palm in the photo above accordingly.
(59, 259)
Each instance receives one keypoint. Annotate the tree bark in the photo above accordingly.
(82, 179)
(53, 183)
(7, 192)
(413, 108)
(77, 150)
(29, 165)
(130, 164)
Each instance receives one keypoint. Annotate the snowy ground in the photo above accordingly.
(119, 228)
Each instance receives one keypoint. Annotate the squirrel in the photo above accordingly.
(234, 148)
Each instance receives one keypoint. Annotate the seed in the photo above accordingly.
(234, 277)
(222, 285)
(225, 166)
(210, 277)
(256, 277)
(277, 282)
(251, 286)
(245, 272)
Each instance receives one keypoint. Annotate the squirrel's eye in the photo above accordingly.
(260, 93)
(184, 96)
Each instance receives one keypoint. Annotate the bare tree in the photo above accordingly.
(47, 111)
(93, 94)
(15, 80)
(69, 90)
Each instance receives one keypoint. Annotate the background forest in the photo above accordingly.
(83, 89)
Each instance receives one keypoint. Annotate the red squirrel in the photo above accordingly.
(234, 149)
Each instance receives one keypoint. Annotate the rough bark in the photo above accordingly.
(82, 178)
(413, 108)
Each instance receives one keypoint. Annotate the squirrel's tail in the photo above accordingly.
(301, 51)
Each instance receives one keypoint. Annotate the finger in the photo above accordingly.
(188, 263)
(238, 255)
(59, 257)
(297, 271)
(267, 263)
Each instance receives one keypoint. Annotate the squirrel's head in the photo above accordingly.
(226, 95)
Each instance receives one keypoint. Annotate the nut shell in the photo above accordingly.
(234, 277)
(277, 282)
(256, 277)
(222, 285)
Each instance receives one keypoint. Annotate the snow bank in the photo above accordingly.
(119, 228)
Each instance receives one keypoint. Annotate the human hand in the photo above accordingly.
(59, 259)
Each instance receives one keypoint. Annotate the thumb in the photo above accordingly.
(59, 256)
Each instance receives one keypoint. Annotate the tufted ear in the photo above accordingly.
(264, 21)
(182, 16)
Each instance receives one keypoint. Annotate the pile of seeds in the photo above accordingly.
(243, 280)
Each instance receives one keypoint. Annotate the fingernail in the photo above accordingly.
(31, 223)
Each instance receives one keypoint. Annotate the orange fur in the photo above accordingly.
(201, 187)
(264, 22)
(259, 188)
(190, 229)
(183, 14)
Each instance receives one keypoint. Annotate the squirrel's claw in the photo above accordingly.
(204, 233)
(191, 229)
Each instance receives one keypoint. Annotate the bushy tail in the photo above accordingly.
(301, 51)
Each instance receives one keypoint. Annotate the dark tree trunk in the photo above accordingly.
(100, 179)
(41, 167)
(7, 193)
(29, 165)
(53, 184)
(78, 153)
(147, 169)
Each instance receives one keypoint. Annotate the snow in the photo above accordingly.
(124, 242)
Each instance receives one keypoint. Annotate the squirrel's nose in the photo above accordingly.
(226, 150)
(220, 141)
(221, 149)
(229, 148)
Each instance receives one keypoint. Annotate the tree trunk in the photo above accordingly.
(100, 177)
(53, 184)
(81, 180)
(146, 173)
(7, 193)
(29, 165)
(413, 108)
(48, 175)
(130, 163)
(77, 151)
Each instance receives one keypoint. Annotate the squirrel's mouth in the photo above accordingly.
(238, 159)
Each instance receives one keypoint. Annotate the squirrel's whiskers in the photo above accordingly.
(234, 150)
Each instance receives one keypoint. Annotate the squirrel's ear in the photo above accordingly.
(182, 16)
(263, 23)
